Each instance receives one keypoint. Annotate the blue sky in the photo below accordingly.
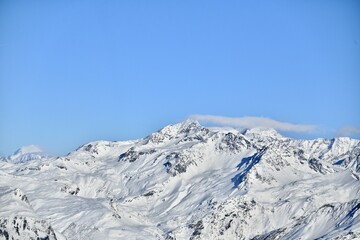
(77, 71)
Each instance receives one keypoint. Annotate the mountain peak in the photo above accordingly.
(182, 127)
(29, 149)
(189, 124)
(27, 153)
(171, 131)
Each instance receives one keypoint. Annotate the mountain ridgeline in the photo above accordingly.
(185, 181)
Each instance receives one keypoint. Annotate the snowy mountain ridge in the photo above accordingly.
(186, 181)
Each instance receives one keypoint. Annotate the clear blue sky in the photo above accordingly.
(76, 71)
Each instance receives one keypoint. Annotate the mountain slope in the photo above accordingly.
(187, 181)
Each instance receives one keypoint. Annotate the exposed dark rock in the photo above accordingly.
(132, 155)
(71, 190)
(61, 167)
(317, 166)
(26, 228)
(148, 194)
(276, 234)
(233, 143)
(197, 229)
(177, 163)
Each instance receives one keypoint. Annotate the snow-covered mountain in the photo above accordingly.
(187, 181)
(27, 153)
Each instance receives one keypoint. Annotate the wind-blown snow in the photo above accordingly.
(186, 181)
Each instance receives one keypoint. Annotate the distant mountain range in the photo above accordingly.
(185, 181)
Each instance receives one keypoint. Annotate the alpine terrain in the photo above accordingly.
(185, 181)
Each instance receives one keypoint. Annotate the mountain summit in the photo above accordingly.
(27, 153)
(186, 181)
(29, 149)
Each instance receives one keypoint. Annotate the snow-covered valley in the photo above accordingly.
(185, 181)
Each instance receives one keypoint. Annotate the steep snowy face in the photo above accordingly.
(186, 181)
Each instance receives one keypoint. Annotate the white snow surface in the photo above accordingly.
(186, 181)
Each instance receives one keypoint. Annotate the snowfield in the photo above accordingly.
(185, 181)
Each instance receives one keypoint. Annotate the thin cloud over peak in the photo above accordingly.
(251, 122)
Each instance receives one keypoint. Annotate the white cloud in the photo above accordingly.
(251, 122)
(348, 131)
